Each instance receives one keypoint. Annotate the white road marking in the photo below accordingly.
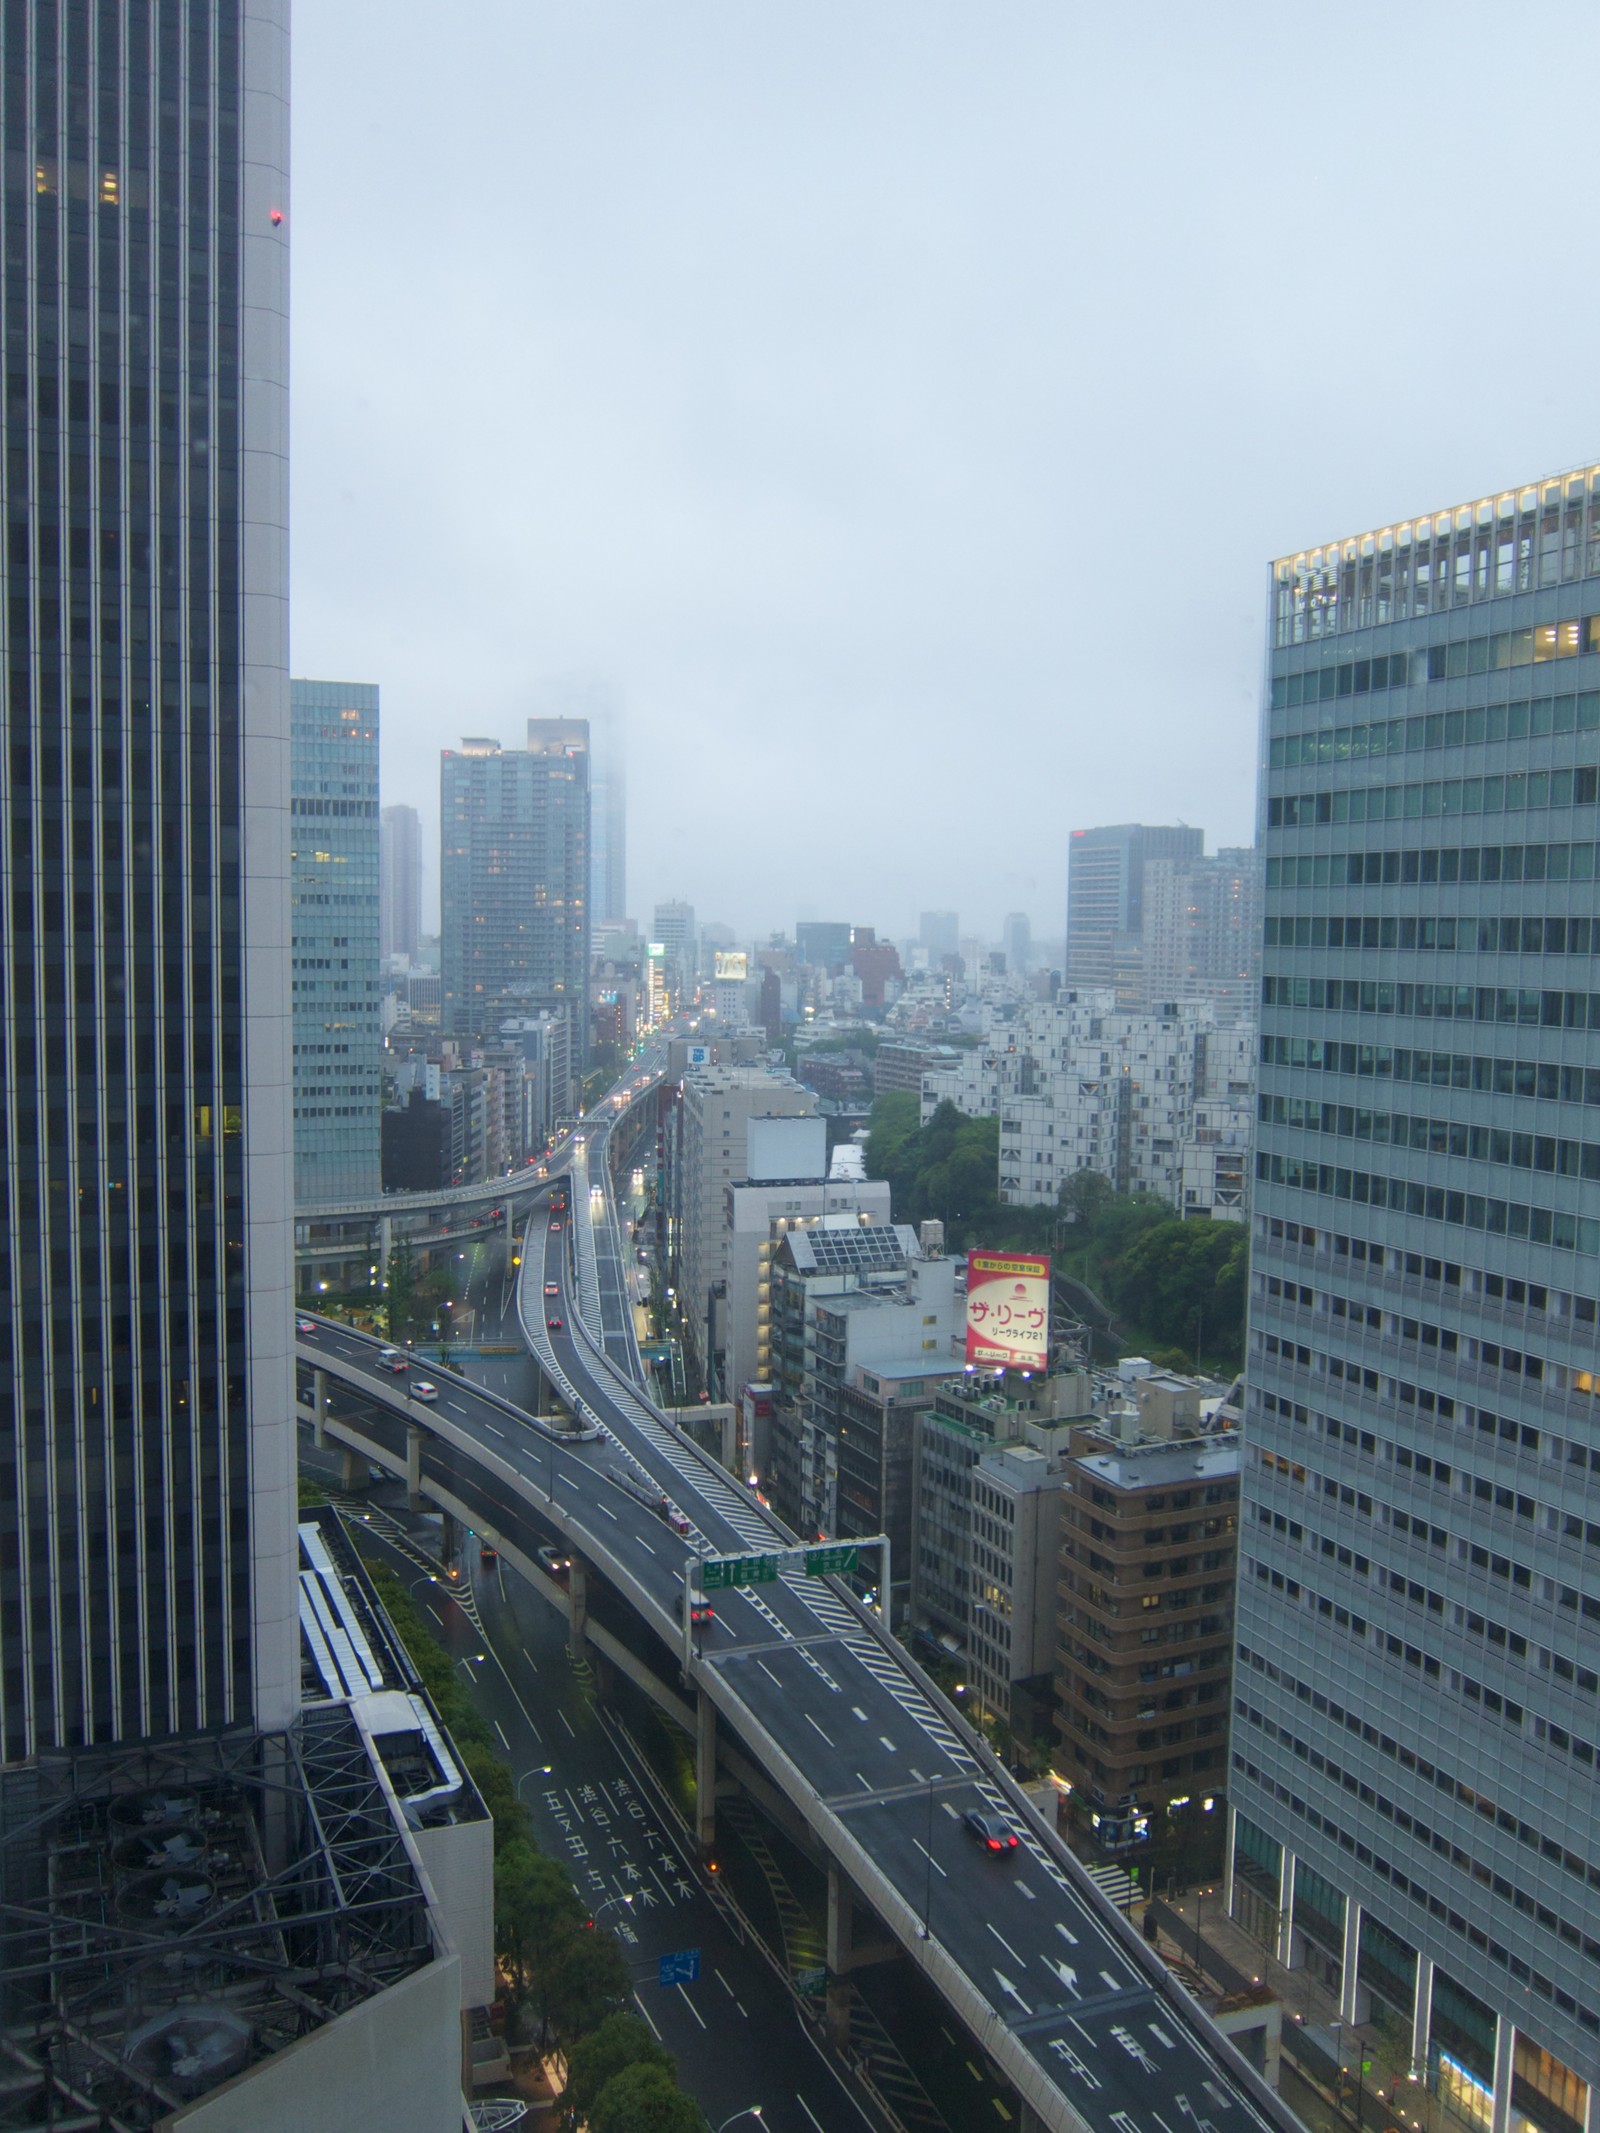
(887, 1742)
(1065, 1935)
(567, 1722)
(646, 2013)
(1000, 1937)
(815, 2120)
(938, 1869)
(771, 1676)
(952, 1812)
(863, 1782)
(645, 1545)
(500, 1729)
(699, 2017)
(859, 1713)
(810, 1721)
(1023, 1889)
(608, 1511)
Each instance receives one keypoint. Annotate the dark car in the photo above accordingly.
(702, 1611)
(554, 1324)
(993, 1831)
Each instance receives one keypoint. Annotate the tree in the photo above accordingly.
(534, 1904)
(576, 1978)
(400, 1277)
(621, 2041)
(644, 2099)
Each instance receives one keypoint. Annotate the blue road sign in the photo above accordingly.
(682, 1967)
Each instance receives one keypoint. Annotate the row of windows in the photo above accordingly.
(1469, 862)
(1519, 721)
(1452, 1787)
(1489, 1355)
(1440, 936)
(1496, 653)
(1525, 1005)
(1435, 1905)
(1551, 1153)
(1538, 1079)
(333, 807)
(1500, 1218)
(1439, 796)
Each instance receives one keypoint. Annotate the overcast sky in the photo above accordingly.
(899, 402)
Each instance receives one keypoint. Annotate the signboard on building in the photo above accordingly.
(1008, 1311)
(698, 1055)
(732, 965)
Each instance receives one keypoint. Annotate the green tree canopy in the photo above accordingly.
(621, 2041)
(644, 2099)
(534, 1901)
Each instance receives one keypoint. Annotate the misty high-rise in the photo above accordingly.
(147, 1457)
(1105, 899)
(514, 879)
(1417, 1713)
(399, 881)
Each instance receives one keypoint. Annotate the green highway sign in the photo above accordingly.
(825, 1562)
(718, 1572)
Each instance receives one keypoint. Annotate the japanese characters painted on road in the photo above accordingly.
(1008, 1311)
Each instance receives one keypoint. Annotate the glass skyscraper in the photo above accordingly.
(514, 880)
(1417, 1713)
(147, 1454)
(338, 1044)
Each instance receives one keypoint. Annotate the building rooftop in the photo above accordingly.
(1161, 1464)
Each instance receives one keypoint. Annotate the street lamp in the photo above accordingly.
(751, 2110)
(540, 1770)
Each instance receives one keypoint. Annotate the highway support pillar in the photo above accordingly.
(355, 1473)
(450, 1542)
(1028, 2119)
(578, 1606)
(845, 1954)
(705, 1775)
(319, 1409)
(414, 1465)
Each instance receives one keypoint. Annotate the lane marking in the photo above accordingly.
(859, 1713)
(608, 1511)
(699, 2017)
(938, 1869)
(810, 1721)
(567, 1722)
(815, 2120)
(887, 1742)
(646, 2013)
(1000, 1937)
(500, 1729)
(1023, 1889)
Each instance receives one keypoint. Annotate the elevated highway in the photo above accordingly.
(1074, 2011)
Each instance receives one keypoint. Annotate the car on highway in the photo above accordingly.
(993, 1831)
(555, 1229)
(552, 1288)
(702, 1611)
(552, 1562)
(554, 1324)
(392, 1359)
(488, 1553)
(305, 1325)
(423, 1390)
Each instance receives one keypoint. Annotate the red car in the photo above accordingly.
(554, 1324)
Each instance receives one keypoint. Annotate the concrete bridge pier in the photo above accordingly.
(450, 1541)
(578, 1617)
(414, 1467)
(705, 1775)
(355, 1473)
(319, 1409)
(846, 1953)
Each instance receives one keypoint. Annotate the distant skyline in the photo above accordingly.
(897, 408)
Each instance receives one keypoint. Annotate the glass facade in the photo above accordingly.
(514, 880)
(146, 1456)
(1417, 1675)
(338, 1043)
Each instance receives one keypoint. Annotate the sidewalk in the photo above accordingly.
(1343, 2070)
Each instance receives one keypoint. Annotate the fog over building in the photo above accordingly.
(399, 881)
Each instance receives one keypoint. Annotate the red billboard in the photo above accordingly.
(1008, 1310)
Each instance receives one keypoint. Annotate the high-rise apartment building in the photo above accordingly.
(333, 889)
(514, 879)
(673, 929)
(1016, 941)
(1417, 1683)
(147, 1457)
(399, 881)
(599, 704)
(1105, 899)
(1202, 930)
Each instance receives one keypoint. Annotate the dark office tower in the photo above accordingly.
(147, 1449)
(1417, 1684)
(1105, 899)
(338, 1045)
(399, 882)
(514, 879)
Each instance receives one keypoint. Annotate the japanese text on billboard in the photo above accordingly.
(1008, 1311)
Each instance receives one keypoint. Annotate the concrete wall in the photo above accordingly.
(390, 2066)
(459, 1862)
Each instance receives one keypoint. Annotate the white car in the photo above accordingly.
(423, 1390)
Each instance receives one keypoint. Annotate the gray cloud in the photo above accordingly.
(900, 403)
